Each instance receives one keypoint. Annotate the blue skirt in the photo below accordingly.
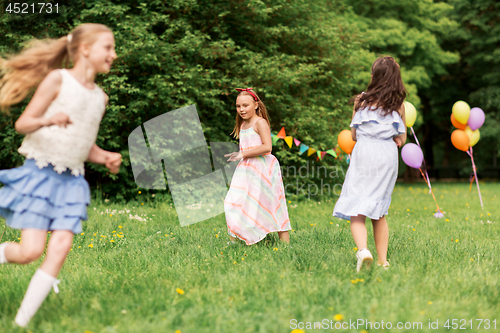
(43, 199)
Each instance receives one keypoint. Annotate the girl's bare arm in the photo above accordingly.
(31, 119)
(402, 137)
(353, 130)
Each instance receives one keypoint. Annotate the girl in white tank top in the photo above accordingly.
(49, 192)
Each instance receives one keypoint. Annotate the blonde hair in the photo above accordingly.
(22, 72)
(261, 111)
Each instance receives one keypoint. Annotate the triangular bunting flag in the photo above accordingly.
(281, 134)
(311, 151)
(297, 142)
(275, 139)
(318, 153)
(332, 152)
(302, 148)
(323, 153)
(289, 141)
(317, 158)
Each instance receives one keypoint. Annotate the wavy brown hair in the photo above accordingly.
(386, 89)
(261, 111)
(21, 73)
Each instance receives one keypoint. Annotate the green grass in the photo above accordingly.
(440, 269)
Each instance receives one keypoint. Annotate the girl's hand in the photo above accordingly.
(113, 162)
(236, 156)
(60, 119)
(399, 141)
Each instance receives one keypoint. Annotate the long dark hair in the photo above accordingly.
(386, 89)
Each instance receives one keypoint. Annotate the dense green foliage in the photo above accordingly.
(305, 59)
(476, 78)
(440, 269)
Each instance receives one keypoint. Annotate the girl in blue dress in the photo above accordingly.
(378, 126)
(60, 124)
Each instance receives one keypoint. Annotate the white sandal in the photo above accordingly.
(364, 257)
(386, 265)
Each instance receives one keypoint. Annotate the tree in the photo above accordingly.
(297, 56)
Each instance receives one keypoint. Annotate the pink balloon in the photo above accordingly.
(476, 118)
(412, 155)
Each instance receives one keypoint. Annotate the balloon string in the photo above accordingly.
(425, 166)
(429, 187)
(475, 175)
(471, 181)
(415, 137)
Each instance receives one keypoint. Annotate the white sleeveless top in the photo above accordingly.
(67, 148)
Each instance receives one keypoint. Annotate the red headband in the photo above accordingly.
(250, 91)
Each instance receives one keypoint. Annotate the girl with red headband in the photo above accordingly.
(255, 204)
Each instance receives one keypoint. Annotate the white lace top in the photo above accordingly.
(67, 148)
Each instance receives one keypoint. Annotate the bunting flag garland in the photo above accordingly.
(281, 134)
(302, 148)
(274, 138)
(290, 140)
(332, 152)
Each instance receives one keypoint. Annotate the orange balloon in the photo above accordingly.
(456, 123)
(460, 140)
(346, 142)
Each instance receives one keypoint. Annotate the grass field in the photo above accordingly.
(148, 274)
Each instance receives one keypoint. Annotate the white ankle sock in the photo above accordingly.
(3, 260)
(38, 289)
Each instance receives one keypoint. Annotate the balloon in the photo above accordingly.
(346, 142)
(461, 111)
(412, 155)
(456, 123)
(410, 114)
(473, 136)
(460, 140)
(476, 119)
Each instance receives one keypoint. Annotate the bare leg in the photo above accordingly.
(381, 235)
(358, 230)
(30, 249)
(284, 236)
(59, 245)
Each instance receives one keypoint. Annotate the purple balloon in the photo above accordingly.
(476, 118)
(412, 155)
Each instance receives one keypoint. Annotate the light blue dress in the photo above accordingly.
(43, 199)
(373, 169)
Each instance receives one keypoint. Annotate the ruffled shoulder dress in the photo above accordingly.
(373, 167)
(49, 192)
(255, 204)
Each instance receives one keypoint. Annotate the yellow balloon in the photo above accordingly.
(410, 114)
(473, 136)
(461, 111)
